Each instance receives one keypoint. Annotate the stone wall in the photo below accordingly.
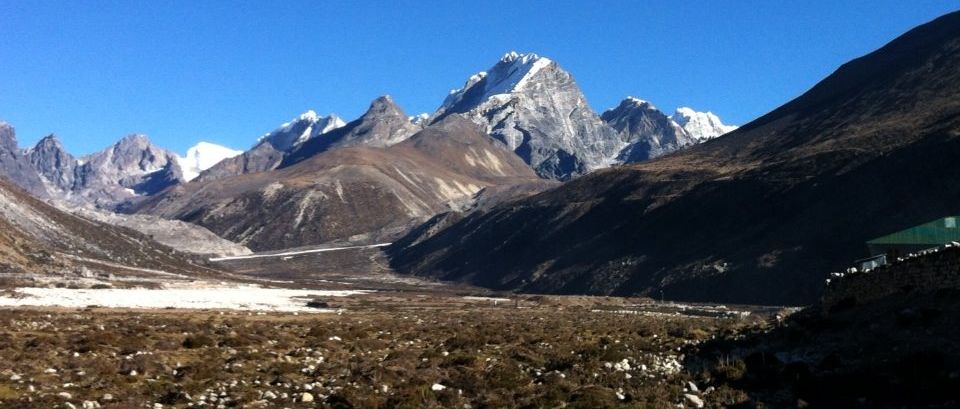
(919, 273)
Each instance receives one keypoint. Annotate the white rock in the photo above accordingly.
(438, 387)
(65, 395)
(694, 400)
(89, 404)
(306, 397)
(693, 387)
(15, 377)
(107, 397)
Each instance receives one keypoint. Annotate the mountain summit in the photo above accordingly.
(646, 130)
(536, 109)
(307, 126)
(701, 126)
(16, 166)
(384, 124)
(203, 156)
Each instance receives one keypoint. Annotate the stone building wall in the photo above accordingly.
(919, 273)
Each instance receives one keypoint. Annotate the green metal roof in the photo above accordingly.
(940, 231)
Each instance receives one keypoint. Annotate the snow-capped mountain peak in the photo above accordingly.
(420, 119)
(510, 74)
(306, 126)
(640, 103)
(535, 108)
(646, 131)
(701, 125)
(310, 115)
(203, 156)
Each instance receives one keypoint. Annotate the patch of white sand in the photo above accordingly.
(490, 299)
(250, 298)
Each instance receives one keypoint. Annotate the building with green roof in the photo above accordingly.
(928, 235)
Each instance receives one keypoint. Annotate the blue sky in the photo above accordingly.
(226, 72)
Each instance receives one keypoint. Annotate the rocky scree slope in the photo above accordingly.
(181, 236)
(759, 215)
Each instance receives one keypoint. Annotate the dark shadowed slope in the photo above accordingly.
(38, 239)
(758, 215)
(361, 194)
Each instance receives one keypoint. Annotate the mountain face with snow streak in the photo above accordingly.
(203, 156)
(537, 110)
(384, 124)
(701, 125)
(648, 132)
(307, 126)
(273, 147)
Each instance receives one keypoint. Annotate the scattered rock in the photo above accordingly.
(693, 400)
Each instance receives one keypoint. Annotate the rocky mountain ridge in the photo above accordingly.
(648, 132)
(16, 166)
(536, 109)
(38, 240)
